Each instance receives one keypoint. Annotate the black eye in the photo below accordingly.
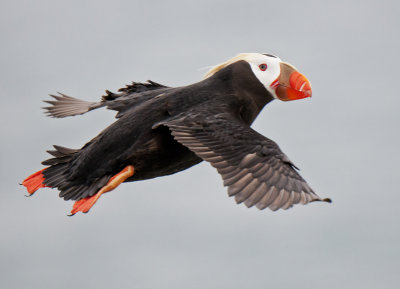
(263, 67)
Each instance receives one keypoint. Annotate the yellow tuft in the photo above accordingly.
(241, 56)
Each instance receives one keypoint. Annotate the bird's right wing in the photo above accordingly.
(128, 96)
(252, 166)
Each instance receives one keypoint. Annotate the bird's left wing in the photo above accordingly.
(131, 95)
(252, 166)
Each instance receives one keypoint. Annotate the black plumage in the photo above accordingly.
(162, 130)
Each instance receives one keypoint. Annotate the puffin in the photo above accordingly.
(163, 130)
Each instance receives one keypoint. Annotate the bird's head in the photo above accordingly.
(281, 79)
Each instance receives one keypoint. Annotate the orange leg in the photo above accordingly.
(85, 204)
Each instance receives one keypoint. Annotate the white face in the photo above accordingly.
(281, 79)
(266, 68)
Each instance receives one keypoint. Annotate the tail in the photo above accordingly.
(65, 105)
(46, 177)
(58, 175)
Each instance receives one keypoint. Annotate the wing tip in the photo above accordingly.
(327, 200)
(64, 106)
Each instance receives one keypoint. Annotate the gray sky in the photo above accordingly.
(182, 231)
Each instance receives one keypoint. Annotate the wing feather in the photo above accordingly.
(253, 167)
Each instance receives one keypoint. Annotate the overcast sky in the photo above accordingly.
(183, 231)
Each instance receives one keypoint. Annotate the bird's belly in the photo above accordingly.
(160, 155)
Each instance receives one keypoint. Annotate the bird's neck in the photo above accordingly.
(238, 79)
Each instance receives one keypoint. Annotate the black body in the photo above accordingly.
(162, 130)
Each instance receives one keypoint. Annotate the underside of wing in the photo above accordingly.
(253, 167)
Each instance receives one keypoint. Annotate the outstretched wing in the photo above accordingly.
(64, 105)
(252, 166)
(127, 97)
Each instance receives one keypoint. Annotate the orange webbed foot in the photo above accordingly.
(34, 182)
(84, 205)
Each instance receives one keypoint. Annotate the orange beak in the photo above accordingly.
(291, 84)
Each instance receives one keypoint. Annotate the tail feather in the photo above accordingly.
(55, 175)
(95, 187)
(61, 151)
(58, 175)
(55, 161)
(83, 191)
(61, 155)
(74, 193)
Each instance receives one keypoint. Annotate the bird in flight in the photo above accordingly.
(162, 130)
